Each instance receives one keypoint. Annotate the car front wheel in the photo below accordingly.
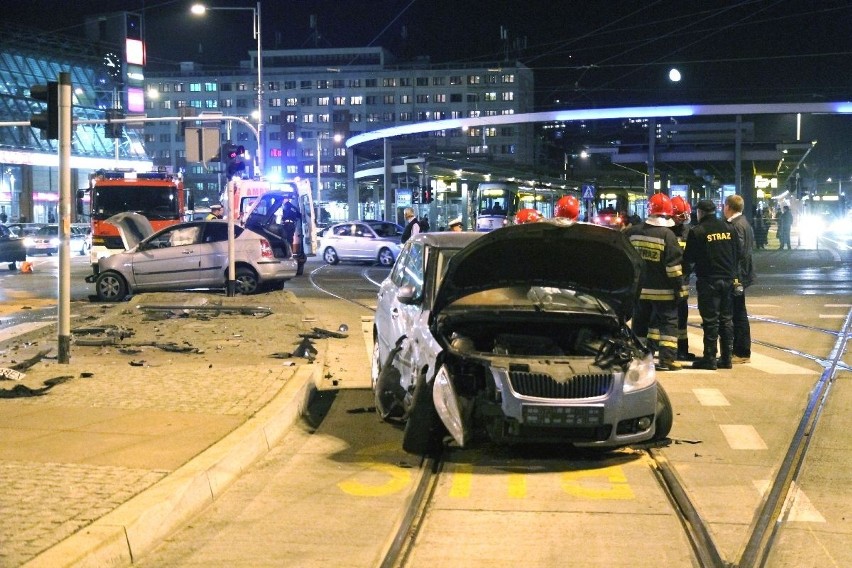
(247, 282)
(110, 287)
(386, 257)
(330, 256)
(665, 414)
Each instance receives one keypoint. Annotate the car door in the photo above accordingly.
(169, 259)
(363, 242)
(395, 319)
(342, 241)
(212, 253)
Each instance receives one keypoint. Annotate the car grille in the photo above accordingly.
(542, 385)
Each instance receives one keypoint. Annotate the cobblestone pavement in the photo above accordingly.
(79, 439)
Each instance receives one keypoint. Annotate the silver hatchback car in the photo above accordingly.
(186, 256)
(366, 241)
(517, 335)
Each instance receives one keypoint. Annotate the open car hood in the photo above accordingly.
(582, 257)
(132, 227)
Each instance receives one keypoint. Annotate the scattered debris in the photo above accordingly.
(319, 333)
(11, 374)
(140, 363)
(281, 355)
(24, 365)
(305, 349)
(243, 310)
(23, 391)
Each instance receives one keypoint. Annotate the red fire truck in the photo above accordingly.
(159, 196)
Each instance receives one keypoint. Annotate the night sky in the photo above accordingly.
(585, 53)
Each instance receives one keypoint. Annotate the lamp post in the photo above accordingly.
(200, 9)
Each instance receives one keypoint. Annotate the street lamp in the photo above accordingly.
(200, 9)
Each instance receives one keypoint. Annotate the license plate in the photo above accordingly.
(562, 415)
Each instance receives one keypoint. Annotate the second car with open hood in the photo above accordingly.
(518, 335)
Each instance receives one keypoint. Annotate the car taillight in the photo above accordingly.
(266, 249)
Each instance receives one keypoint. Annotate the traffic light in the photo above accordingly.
(113, 129)
(48, 121)
(426, 195)
(234, 163)
(415, 196)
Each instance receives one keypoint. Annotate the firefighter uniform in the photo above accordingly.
(681, 231)
(712, 251)
(655, 317)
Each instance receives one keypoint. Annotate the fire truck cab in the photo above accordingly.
(158, 196)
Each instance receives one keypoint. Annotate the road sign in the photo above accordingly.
(588, 192)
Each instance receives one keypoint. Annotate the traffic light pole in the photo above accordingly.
(64, 327)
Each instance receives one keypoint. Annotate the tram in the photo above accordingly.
(498, 202)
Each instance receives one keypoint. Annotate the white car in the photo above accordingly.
(519, 335)
(186, 256)
(363, 241)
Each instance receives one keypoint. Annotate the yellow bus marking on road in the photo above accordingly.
(608, 483)
(397, 478)
(462, 478)
(517, 485)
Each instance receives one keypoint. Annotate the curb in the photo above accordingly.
(137, 526)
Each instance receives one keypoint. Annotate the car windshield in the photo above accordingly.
(153, 202)
(49, 230)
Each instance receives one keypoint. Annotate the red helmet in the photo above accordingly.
(660, 204)
(568, 207)
(680, 208)
(527, 216)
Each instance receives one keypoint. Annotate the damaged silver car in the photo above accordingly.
(518, 335)
(186, 256)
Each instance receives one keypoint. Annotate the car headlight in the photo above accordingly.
(54, 242)
(28, 242)
(640, 374)
(447, 405)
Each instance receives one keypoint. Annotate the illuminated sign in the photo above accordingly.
(135, 100)
(134, 51)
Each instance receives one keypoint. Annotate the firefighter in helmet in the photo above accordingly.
(527, 216)
(568, 207)
(681, 210)
(655, 317)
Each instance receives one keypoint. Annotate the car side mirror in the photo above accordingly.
(407, 295)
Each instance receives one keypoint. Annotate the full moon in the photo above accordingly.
(674, 75)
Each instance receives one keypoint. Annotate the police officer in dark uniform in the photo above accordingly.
(290, 217)
(713, 251)
(655, 316)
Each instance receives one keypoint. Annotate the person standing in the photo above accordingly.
(785, 224)
(290, 219)
(712, 254)
(455, 225)
(759, 238)
(655, 316)
(412, 227)
(745, 236)
(215, 213)
(681, 211)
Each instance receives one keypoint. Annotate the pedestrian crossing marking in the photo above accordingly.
(743, 437)
(832, 316)
(763, 363)
(710, 397)
(799, 506)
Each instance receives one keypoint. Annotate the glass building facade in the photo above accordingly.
(29, 173)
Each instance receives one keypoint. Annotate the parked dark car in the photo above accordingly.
(12, 249)
(518, 335)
